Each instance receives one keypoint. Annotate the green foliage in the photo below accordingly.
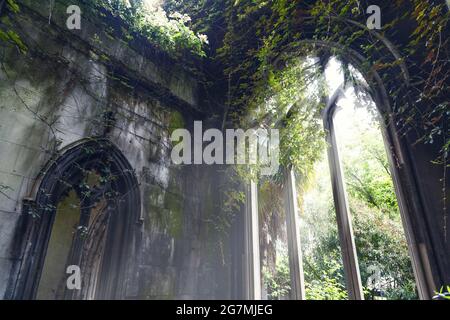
(13, 6)
(176, 122)
(324, 282)
(170, 32)
(296, 111)
(443, 294)
(259, 39)
(278, 283)
(380, 242)
(376, 190)
(7, 34)
(367, 171)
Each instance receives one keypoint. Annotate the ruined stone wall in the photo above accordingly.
(77, 85)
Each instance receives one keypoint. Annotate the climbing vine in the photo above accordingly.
(263, 47)
(262, 40)
(7, 33)
(169, 32)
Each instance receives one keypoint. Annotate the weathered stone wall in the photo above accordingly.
(73, 86)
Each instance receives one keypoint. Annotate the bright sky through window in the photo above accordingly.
(152, 4)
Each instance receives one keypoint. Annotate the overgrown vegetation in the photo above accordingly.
(379, 236)
(7, 32)
(168, 31)
(255, 50)
(260, 40)
(258, 50)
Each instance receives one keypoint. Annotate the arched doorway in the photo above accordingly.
(84, 215)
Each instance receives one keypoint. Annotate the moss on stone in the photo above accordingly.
(174, 218)
(165, 207)
(176, 121)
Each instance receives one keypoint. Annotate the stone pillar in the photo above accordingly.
(252, 286)
(293, 236)
(348, 248)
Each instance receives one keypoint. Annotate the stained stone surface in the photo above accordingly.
(65, 90)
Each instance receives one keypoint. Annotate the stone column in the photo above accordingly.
(251, 258)
(349, 256)
(293, 236)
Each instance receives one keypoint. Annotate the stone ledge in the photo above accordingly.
(138, 60)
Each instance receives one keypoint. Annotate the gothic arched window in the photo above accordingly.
(85, 210)
(370, 124)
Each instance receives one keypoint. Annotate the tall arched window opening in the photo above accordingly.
(353, 221)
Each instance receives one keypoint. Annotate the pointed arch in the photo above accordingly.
(119, 189)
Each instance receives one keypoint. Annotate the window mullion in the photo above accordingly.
(293, 236)
(348, 248)
(251, 257)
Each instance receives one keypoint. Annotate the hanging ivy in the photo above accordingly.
(261, 39)
(7, 33)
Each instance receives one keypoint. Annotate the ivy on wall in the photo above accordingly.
(260, 47)
(7, 33)
(168, 31)
(261, 40)
(256, 41)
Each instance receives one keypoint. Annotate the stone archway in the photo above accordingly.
(419, 241)
(104, 241)
(398, 155)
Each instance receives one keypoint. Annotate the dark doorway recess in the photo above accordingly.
(105, 238)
